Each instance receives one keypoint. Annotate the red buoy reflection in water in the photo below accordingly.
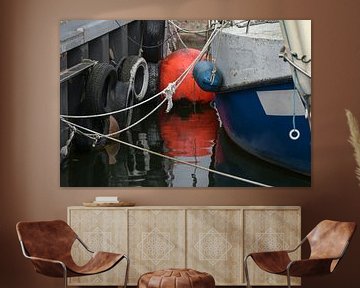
(173, 66)
(188, 133)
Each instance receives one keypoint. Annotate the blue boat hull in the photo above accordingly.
(262, 130)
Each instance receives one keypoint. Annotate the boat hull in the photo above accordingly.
(259, 121)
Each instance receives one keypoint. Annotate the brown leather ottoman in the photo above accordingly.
(176, 278)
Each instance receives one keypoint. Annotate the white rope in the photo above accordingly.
(93, 136)
(178, 81)
(169, 92)
(189, 31)
(294, 133)
(113, 112)
(214, 59)
(202, 52)
(65, 149)
(297, 67)
(140, 120)
(180, 39)
(165, 156)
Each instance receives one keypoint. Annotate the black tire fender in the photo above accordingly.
(153, 86)
(123, 98)
(153, 38)
(82, 142)
(100, 86)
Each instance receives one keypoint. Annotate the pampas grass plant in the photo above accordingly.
(354, 140)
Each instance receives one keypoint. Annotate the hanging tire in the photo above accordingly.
(153, 86)
(100, 87)
(82, 142)
(153, 38)
(123, 97)
(118, 67)
(135, 71)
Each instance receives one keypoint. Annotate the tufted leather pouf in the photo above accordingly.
(176, 278)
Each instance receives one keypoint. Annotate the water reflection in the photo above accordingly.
(190, 133)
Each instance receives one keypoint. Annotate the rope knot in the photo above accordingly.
(64, 151)
(169, 92)
(96, 138)
(72, 133)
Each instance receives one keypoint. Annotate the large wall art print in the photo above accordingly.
(185, 103)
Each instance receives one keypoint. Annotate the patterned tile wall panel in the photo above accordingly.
(100, 230)
(156, 240)
(214, 244)
(267, 230)
(208, 239)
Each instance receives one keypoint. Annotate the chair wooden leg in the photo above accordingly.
(246, 271)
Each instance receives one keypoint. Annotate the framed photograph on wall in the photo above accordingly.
(185, 103)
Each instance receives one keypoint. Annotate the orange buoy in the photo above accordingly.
(173, 66)
(191, 135)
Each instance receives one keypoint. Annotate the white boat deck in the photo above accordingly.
(270, 31)
(253, 57)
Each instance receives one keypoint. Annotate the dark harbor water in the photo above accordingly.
(189, 133)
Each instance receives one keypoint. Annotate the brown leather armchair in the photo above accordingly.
(328, 242)
(48, 245)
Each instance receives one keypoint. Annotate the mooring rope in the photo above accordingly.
(168, 92)
(201, 54)
(115, 111)
(180, 39)
(189, 31)
(99, 135)
(178, 81)
(140, 120)
(294, 133)
(171, 88)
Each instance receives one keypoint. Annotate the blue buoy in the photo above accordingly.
(207, 76)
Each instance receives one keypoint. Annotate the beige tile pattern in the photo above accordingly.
(156, 240)
(269, 230)
(100, 230)
(212, 239)
(214, 244)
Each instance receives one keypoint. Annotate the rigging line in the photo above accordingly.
(180, 39)
(294, 109)
(137, 122)
(148, 46)
(290, 61)
(189, 31)
(179, 80)
(151, 46)
(202, 52)
(297, 67)
(95, 136)
(113, 112)
(167, 157)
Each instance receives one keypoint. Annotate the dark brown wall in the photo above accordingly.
(29, 119)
